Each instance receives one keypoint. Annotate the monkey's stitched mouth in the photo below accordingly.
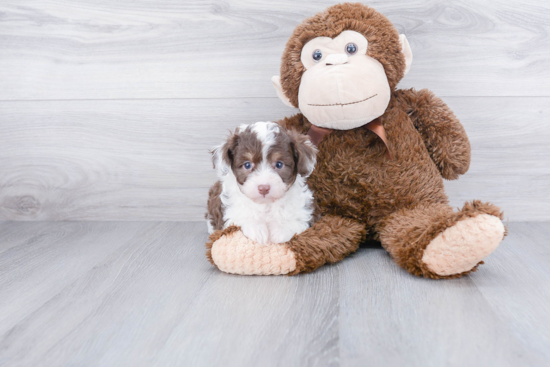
(342, 104)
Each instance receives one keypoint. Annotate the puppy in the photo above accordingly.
(262, 170)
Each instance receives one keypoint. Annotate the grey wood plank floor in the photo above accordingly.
(142, 293)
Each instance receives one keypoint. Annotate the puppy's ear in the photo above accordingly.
(305, 153)
(222, 155)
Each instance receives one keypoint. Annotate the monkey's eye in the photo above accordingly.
(247, 165)
(351, 48)
(279, 164)
(317, 55)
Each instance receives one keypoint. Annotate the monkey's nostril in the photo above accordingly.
(336, 59)
(263, 189)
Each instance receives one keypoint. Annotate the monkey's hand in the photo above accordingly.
(328, 241)
(443, 134)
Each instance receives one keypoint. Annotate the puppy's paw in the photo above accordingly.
(257, 232)
(283, 232)
(281, 236)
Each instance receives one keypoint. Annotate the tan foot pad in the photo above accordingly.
(460, 247)
(236, 254)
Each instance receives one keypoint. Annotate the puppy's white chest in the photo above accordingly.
(275, 222)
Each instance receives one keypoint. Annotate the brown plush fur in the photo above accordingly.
(328, 241)
(354, 179)
(399, 201)
(443, 136)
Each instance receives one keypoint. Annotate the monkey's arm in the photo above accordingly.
(443, 134)
(329, 240)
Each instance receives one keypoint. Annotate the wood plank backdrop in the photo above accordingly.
(108, 109)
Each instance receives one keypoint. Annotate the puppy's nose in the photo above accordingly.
(264, 189)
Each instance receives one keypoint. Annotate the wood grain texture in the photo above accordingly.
(149, 160)
(392, 319)
(143, 294)
(238, 321)
(108, 109)
(522, 267)
(493, 317)
(98, 49)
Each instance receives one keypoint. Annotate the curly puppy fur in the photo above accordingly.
(214, 213)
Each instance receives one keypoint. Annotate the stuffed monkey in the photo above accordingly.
(383, 155)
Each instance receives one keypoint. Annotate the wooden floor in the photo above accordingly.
(142, 293)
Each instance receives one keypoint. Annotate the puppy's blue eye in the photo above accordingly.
(279, 164)
(351, 48)
(317, 55)
(247, 165)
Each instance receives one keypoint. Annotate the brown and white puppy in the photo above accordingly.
(262, 171)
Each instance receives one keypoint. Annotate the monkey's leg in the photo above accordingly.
(434, 241)
(329, 240)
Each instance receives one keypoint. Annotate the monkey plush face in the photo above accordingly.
(342, 87)
(341, 66)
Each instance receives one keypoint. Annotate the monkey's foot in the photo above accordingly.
(461, 247)
(234, 253)
(434, 241)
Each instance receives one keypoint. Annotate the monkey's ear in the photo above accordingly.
(276, 80)
(407, 52)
